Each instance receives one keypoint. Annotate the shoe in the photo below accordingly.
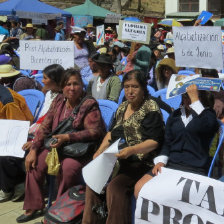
(19, 192)
(5, 196)
(25, 218)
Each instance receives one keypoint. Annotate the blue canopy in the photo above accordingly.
(30, 6)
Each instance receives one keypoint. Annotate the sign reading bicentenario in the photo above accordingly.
(198, 47)
(176, 197)
(36, 55)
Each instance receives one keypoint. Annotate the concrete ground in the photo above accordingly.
(9, 211)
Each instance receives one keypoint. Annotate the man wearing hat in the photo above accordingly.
(89, 31)
(108, 34)
(106, 85)
(29, 33)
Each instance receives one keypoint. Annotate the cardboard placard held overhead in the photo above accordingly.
(100, 35)
(134, 32)
(198, 47)
(36, 55)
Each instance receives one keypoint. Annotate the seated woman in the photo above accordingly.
(188, 134)
(139, 124)
(89, 126)
(106, 85)
(12, 106)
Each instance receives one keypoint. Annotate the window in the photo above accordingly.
(214, 6)
(188, 5)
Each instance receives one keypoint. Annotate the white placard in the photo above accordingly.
(97, 172)
(198, 47)
(181, 198)
(100, 35)
(36, 55)
(2, 36)
(14, 135)
(134, 32)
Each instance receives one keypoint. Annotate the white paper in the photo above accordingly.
(97, 172)
(198, 47)
(36, 55)
(2, 36)
(180, 196)
(14, 134)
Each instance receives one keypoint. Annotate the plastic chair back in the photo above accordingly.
(121, 97)
(34, 99)
(174, 102)
(39, 78)
(215, 157)
(151, 90)
(108, 109)
(165, 115)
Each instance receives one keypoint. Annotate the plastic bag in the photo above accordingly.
(52, 161)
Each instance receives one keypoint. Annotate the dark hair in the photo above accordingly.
(54, 72)
(14, 22)
(140, 78)
(7, 49)
(206, 98)
(69, 73)
(212, 73)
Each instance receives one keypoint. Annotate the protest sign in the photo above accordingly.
(134, 32)
(36, 55)
(204, 17)
(181, 198)
(198, 47)
(179, 83)
(82, 21)
(13, 136)
(223, 37)
(100, 35)
(112, 18)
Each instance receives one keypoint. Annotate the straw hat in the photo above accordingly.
(170, 50)
(29, 25)
(169, 42)
(7, 71)
(77, 30)
(89, 26)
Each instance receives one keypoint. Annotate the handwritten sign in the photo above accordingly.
(100, 35)
(179, 83)
(134, 32)
(198, 47)
(204, 17)
(181, 198)
(36, 55)
(13, 135)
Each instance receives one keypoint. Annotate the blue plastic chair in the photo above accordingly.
(151, 90)
(186, 72)
(108, 109)
(215, 157)
(34, 99)
(25, 72)
(174, 102)
(121, 77)
(39, 78)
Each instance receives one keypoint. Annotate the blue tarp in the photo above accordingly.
(12, 6)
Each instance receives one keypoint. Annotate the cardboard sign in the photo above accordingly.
(204, 17)
(36, 55)
(179, 83)
(181, 198)
(198, 47)
(100, 35)
(134, 32)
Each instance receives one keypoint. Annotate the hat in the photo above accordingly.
(102, 50)
(29, 25)
(160, 47)
(4, 59)
(3, 44)
(57, 28)
(7, 71)
(170, 50)
(169, 42)
(76, 29)
(103, 58)
(109, 28)
(89, 26)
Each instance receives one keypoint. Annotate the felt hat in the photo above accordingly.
(4, 59)
(7, 71)
(103, 58)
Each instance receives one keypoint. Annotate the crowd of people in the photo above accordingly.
(101, 72)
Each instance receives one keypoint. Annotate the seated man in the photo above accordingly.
(12, 106)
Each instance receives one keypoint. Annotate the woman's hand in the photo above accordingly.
(27, 146)
(157, 168)
(192, 92)
(30, 161)
(125, 153)
(60, 140)
(97, 153)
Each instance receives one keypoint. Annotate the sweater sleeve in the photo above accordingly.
(113, 88)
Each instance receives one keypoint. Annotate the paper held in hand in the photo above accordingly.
(179, 83)
(97, 172)
(14, 135)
